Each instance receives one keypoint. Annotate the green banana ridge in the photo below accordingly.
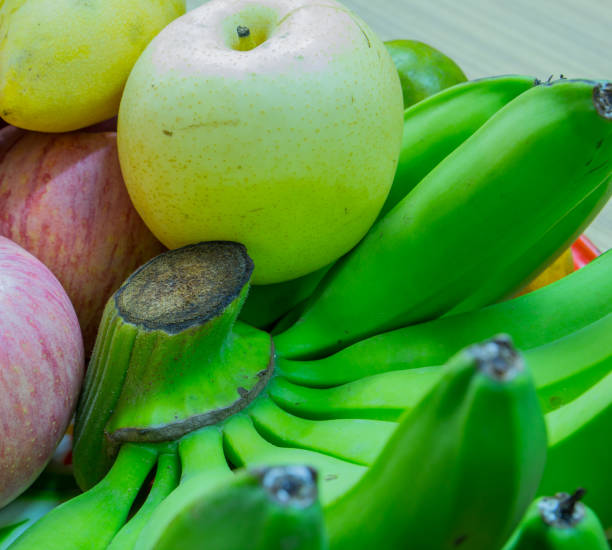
(579, 450)
(437, 125)
(473, 448)
(560, 522)
(517, 271)
(493, 197)
(274, 508)
(532, 320)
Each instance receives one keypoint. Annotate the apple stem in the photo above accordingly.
(245, 39)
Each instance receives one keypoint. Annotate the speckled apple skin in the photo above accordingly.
(63, 199)
(289, 148)
(41, 367)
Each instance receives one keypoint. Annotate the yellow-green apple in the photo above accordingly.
(274, 123)
(63, 63)
(41, 367)
(62, 197)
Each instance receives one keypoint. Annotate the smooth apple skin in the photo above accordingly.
(63, 199)
(289, 148)
(41, 367)
(64, 63)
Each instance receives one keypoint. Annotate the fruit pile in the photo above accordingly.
(297, 265)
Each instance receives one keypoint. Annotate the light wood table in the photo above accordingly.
(490, 37)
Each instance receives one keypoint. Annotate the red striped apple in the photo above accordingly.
(63, 199)
(274, 123)
(41, 367)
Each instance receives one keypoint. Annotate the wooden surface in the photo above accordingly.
(489, 37)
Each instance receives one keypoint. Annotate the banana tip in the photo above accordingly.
(498, 358)
(563, 510)
(602, 99)
(292, 485)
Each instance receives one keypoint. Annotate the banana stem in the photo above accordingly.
(567, 505)
(170, 328)
(202, 452)
(92, 519)
(166, 480)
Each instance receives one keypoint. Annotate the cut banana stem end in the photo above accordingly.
(169, 358)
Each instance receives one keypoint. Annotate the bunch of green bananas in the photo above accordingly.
(420, 438)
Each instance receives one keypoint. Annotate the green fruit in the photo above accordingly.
(273, 508)
(579, 449)
(484, 207)
(265, 304)
(246, 447)
(532, 320)
(436, 126)
(422, 69)
(459, 470)
(562, 369)
(91, 519)
(432, 130)
(559, 523)
(165, 481)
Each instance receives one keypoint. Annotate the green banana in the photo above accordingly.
(166, 479)
(516, 272)
(353, 440)
(532, 320)
(459, 470)
(437, 125)
(562, 369)
(579, 450)
(567, 367)
(432, 129)
(274, 508)
(265, 304)
(92, 519)
(247, 448)
(494, 197)
(382, 397)
(559, 523)
(203, 467)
